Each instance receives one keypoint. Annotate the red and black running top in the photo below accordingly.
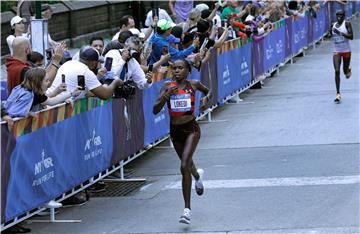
(183, 102)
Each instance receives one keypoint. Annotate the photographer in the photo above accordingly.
(125, 63)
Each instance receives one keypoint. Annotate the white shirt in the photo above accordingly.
(10, 40)
(71, 69)
(162, 15)
(134, 72)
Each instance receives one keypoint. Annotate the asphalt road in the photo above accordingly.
(286, 160)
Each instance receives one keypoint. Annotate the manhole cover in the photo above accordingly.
(118, 189)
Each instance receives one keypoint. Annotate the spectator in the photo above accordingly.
(230, 9)
(158, 41)
(18, 64)
(162, 15)
(36, 59)
(46, 13)
(18, 27)
(204, 30)
(126, 22)
(125, 63)
(95, 42)
(30, 95)
(180, 9)
(88, 63)
(190, 24)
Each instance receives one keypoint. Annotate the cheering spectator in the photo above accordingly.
(89, 61)
(30, 95)
(18, 64)
(162, 46)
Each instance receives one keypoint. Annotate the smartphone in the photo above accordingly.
(150, 68)
(108, 63)
(165, 49)
(63, 78)
(204, 43)
(81, 82)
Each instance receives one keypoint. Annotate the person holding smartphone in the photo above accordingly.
(179, 95)
(85, 67)
(159, 40)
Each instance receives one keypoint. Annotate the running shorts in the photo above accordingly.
(343, 54)
(182, 131)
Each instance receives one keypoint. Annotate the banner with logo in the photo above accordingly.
(274, 48)
(234, 70)
(319, 24)
(53, 160)
(299, 38)
(156, 126)
(356, 6)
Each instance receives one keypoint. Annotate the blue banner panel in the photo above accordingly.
(258, 58)
(195, 75)
(274, 48)
(357, 6)
(299, 40)
(234, 70)
(348, 10)
(53, 160)
(156, 126)
(288, 36)
(319, 24)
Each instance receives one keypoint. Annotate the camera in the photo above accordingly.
(134, 53)
(126, 90)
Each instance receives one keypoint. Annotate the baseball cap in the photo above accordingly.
(172, 39)
(136, 31)
(164, 24)
(16, 19)
(90, 54)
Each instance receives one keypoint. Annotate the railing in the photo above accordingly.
(68, 148)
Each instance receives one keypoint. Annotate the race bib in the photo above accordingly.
(339, 39)
(180, 102)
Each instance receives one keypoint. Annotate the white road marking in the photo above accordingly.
(275, 182)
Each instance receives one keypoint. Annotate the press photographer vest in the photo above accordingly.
(183, 102)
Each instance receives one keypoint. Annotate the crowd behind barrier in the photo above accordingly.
(45, 157)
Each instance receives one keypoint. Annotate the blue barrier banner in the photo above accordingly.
(288, 36)
(319, 24)
(258, 61)
(300, 29)
(357, 6)
(195, 75)
(156, 126)
(335, 6)
(348, 10)
(45, 164)
(234, 74)
(274, 48)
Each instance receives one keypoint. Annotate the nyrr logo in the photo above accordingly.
(279, 46)
(44, 164)
(269, 52)
(226, 75)
(316, 26)
(244, 67)
(93, 141)
(93, 144)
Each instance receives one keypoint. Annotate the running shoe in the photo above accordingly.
(348, 75)
(337, 98)
(185, 217)
(199, 186)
